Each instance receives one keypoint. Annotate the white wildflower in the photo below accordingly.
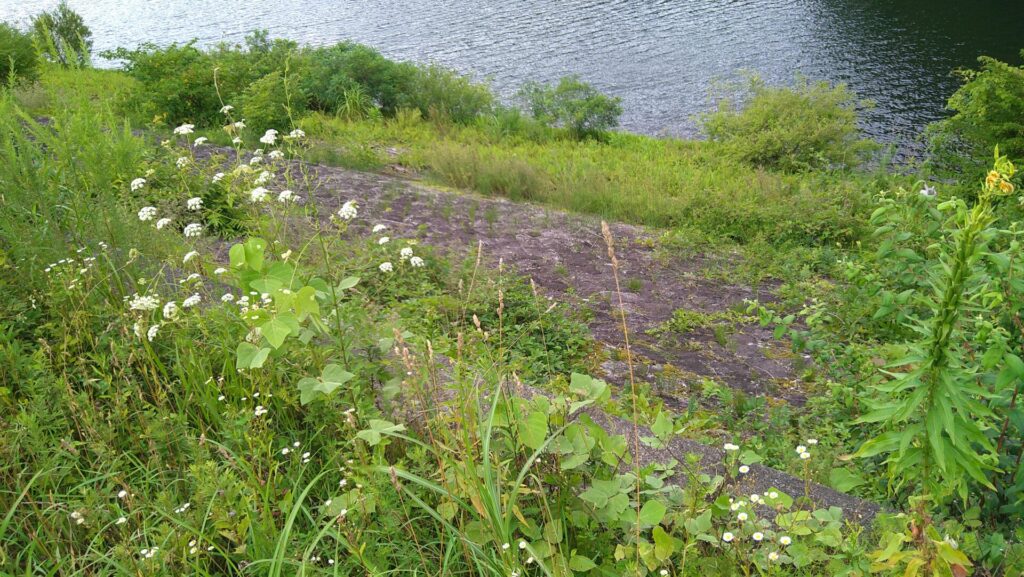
(193, 230)
(384, 240)
(757, 536)
(236, 141)
(386, 267)
(801, 449)
(805, 455)
(416, 262)
(286, 196)
(189, 256)
(217, 177)
(182, 161)
(263, 178)
(147, 213)
(170, 310)
(226, 109)
(730, 447)
(744, 469)
(122, 494)
(348, 211)
(143, 303)
(269, 137)
(773, 495)
(742, 516)
(239, 125)
(220, 270)
(260, 411)
(405, 253)
(151, 333)
(227, 297)
(200, 141)
(121, 521)
(785, 540)
(191, 301)
(275, 155)
(379, 227)
(194, 203)
(727, 536)
(297, 133)
(162, 223)
(138, 183)
(812, 442)
(258, 194)
(185, 129)
(773, 556)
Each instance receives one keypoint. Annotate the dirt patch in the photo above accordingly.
(565, 255)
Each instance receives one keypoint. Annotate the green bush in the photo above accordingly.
(443, 94)
(988, 111)
(574, 105)
(811, 125)
(272, 102)
(63, 36)
(334, 70)
(17, 56)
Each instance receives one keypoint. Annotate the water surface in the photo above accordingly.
(662, 57)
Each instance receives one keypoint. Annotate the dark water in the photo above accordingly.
(662, 57)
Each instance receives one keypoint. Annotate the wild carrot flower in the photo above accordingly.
(239, 125)
(236, 141)
(258, 194)
(162, 223)
(416, 262)
(147, 213)
(269, 137)
(297, 133)
(263, 178)
(383, 240)
(200, 141)
(226, 109)
(182, 161)
(386, 267)
(138, 183)
(194, 203)
(730, 447)
(143, 303)
(405, 253)
(275, 155)
(379, 227)
(348, 211)
(151, 333)
(191, 301)
(185, 129)
(217, 177)
(170, 310)
(193, 230)
(286, 196)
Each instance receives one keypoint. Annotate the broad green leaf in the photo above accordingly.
(377, 429)
(249, 356)
(305, 302)
(581, 563)
(662, 426)
(664, 545)
(276, 331)
(699, 524)
(652, 512)
(533, 430)
(347, 283)
(254, 248)
(843, 480)
(236, 256)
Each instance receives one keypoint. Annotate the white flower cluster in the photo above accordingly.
(269, 137)
(348, 211)
(194, 203)
(143, 303)
(258, 194)
(185, 129)
(147, 213)
(162, 223)
(193, 230)
(138, 183)
(287, 196)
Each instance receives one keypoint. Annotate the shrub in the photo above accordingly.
(443, 94)
(17, 56)
(574, 105)
(336, 69)
(811, 125)
(272, 102)
(62, 36)
(988, 111)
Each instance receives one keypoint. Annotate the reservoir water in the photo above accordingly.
(663, 57)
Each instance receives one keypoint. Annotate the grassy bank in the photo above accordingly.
(201, 374)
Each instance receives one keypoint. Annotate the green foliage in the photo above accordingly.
(17, 56)
(574, 105)
(988, 111)
(62, 36)
(272, 102)
(809, 126)
(334, 70)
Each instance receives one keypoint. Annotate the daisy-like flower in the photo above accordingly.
(379, 227)
(143, 303)
(805, 455)
(730, 447)
(269, 137)
(218, 177)
(801, 449)
(220, 270)
(170, 310)
(191, 301)
(727, 537)
(162, 223)
(138, 183)
(185, 129)
(417, 262)
(405, 253)
(348, 211)
(812, 442)
(122, 494)
(663, 573)
(226, 109)
(744, 469)
(522, 544)
(297, 133)
(773, 556)
(383, 240)
(227, 297)
(200, 141)
(286, 196)
(147, 213)
(386, 267)
(773, 495)
(258, 194)
(194, 203)
(151, 333)
(742, 516)
(785, 540)
(193, 230)
(757, 536)
(505, 546)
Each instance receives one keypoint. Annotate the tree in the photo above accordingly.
(17, 56)
(573, 105)
(62, 36)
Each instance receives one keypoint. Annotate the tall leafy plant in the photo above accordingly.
(938, 422)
